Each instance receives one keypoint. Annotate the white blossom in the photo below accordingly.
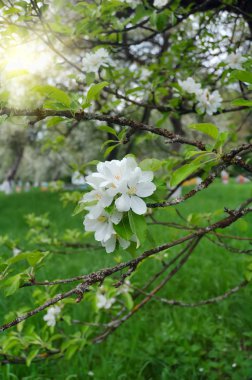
(145, 74)
(102, 225)
(103, 302)
(125, 288)
(16, 251)
(138, 185)
(117, 187)
(111, 174)
(190, 86)
(94, 60)
(102, 199)
(209, 102)
(160, 3)
(51, 315)
(110, 244)
(132, 3)
(235, 61)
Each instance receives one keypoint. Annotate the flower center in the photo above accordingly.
(102, 219)
(98, 196)
(117, 177)
(132, 190)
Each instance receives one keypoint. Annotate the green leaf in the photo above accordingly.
(95, 91)
(32, 354)
(248, 276)
(138, 226)
(110, 149)
(152, 164)
(243, 76)
(11, 285)
(223, 136)
(54, 93)
(206, 128)
(128, 301)
(242, 102)
(123, 228)
(52, 105)
(71, 351)
(81, 206)
(55, 120)
(32, 258)
(108, 129)
(182, 173)
(161, 21)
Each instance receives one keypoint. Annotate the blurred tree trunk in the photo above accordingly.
(10, 176)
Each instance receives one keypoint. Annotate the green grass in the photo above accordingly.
(160, 342)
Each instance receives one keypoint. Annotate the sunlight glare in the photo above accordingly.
(30, 57)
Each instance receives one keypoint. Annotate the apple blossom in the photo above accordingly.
(103, 302)
(160, 3)
(51, 315)
(209, 102)
(137, 186)
(92, 61)
(110, 244)
(190, 86)
(102, 199)
(125, 288)
(235, 61)
(118, 186)
(102, 225)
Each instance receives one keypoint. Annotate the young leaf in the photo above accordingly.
(182, 173)
(108, 129)
(32, 354)
(95, 91)
(123, 229)
(138, 226)
(242, 102)
(54, 93)
(206, 128)
(152, 164)
(110, 149)
(242, 75)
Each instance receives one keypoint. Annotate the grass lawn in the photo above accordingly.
(160, 342)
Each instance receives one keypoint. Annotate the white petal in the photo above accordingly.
(110, 244)
(138, 205)
(145, 189)
(95, 211)
(116, 217)
(131, 162)
(88, 197)
(123, 203)
(94, 180)
(146, 176)
(134, 176)
(106, 200)
(123, 243)
(101, 232)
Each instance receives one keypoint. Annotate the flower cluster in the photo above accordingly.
(51, 315)
(132, 3)
(117, 187)
(94, 60)
(105, 299)
(235, 61)
(207, 102)
(104, 302)
(160, 3)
